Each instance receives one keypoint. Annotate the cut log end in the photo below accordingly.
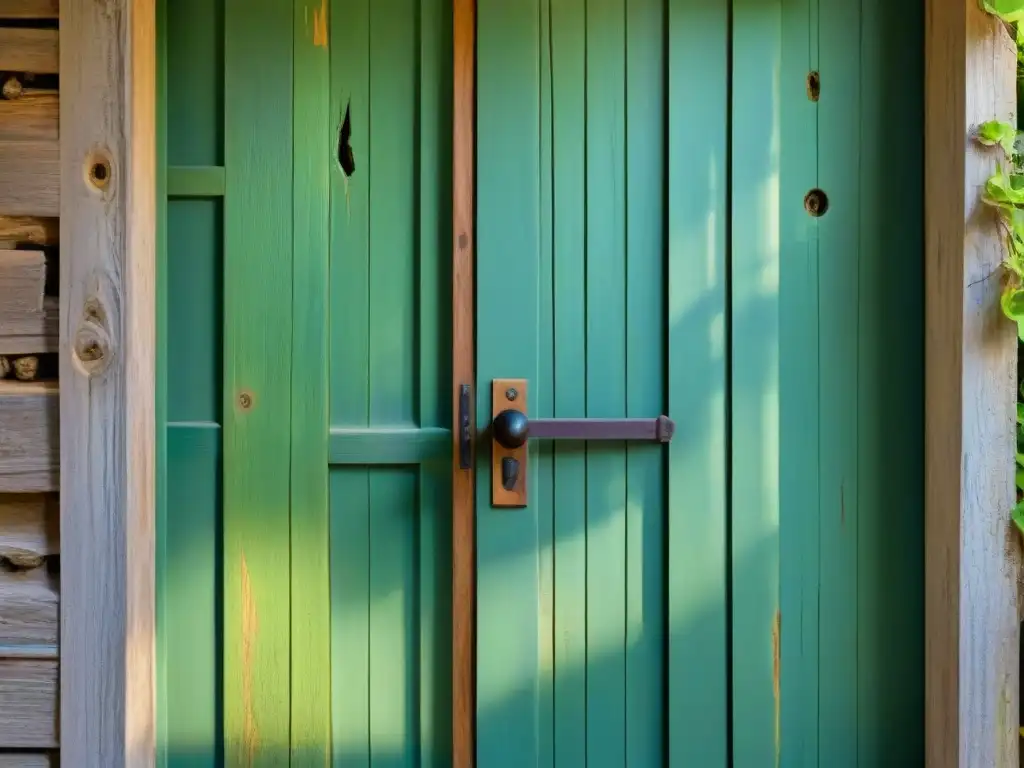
(26, 368)
(12, 87)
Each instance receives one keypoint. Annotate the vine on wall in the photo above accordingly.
(1004, 191)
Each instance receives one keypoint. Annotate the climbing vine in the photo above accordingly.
(1004, 191)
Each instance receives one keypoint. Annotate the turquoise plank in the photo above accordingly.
(839, 167)
(190, 596)
(754, 400)
(195, 88)
(890, 552)
(606, 381)
(508, 198)
(390, 148)
(698, 65)
(350, 217)
(798, 394)
(645, 375)
(408, 445)
(350, 617)
(568, 116)
(195, 289)
(394, 618)
(195, 181)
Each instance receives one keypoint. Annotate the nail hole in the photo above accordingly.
(816, 203)
(346, 158)
(813, 86)
(98, 170)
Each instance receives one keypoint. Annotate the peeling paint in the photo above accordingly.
(320, 25)
(776, 682)
(250, 628)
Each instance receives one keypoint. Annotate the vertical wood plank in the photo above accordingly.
(310, 514)
(108, 316)
(463, 373)
(698, 65)
(972, 555)
(257, 386)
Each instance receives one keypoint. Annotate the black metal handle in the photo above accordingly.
(512, 429)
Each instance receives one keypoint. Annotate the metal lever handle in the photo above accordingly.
(512, 429)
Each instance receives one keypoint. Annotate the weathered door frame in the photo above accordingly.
(109, 385)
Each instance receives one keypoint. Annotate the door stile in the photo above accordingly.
(463, 377)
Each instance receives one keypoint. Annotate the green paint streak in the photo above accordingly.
(310, 521)
(196, 181)
(509, 241)
(798, 394)
(696, 550)
(568, 127)
(257, 345)
(754, 400)
(645, 376)
(840, 161)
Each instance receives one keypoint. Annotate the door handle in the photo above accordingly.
(512, 428)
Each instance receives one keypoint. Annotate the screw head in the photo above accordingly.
(511, 394)
(245, 400)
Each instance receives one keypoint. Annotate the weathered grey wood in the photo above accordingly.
(972, 553)
(108, 382)
(28, 9)
(29, 526)
(33, 116)
(29, 610)
(30, 178)
(29, 436)
(27, 333)
(22, 281)
(28, 50)
(29, 760)
(23, 230)
(28, 701)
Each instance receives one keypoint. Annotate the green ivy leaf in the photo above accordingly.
(1009, 11)
(1000, 189)
(1018, 515)
(996, 132)
(1020, 479)
(1012, 302)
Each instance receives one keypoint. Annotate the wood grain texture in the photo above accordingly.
(27, 333)
(33, 116)
(463, 372)
(29, 525)
(28, 699)
(107, 374)
(29, 9)
(22, 281)
(972, 555)
(25, 230)
(29, 607)
(30, 178)
(29, 50)
(29, 759)
(28, 436)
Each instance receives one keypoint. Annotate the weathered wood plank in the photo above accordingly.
(29, 526)
(25, 230)
(29, 609)
(29, 333)
(108, 382)
(28, 436)
(28, 9)
(28, 50)
(29, 760)
(971, 552)
(28, 700)
(22, 281)
(30, 178)
(33, 116)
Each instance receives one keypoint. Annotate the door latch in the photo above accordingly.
(511, 428)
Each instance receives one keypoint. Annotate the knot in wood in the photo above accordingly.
(92, 344)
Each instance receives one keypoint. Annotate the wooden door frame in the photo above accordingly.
(463, 375)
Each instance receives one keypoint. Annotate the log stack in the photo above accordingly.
(29, 433)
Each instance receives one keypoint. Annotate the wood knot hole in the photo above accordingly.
(813, 86)
(92, 344)
(98, 170)
(816, 203)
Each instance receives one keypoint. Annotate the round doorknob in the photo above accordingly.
(511, 428)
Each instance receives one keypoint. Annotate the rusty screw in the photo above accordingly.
(816, 203)
(245, 400)
(511, 394)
